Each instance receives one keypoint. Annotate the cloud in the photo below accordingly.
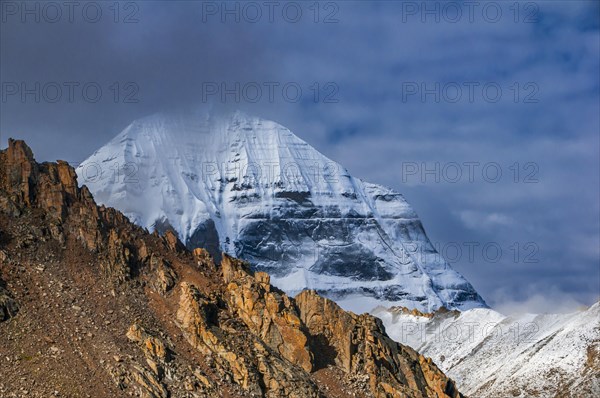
(477, 220)
(540, 300)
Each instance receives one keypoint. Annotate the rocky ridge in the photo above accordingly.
(92, 305)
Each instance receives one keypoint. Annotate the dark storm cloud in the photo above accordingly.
(545, 61)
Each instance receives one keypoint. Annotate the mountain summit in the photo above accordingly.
(251, 188)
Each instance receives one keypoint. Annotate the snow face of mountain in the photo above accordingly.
(251, 188)
(491, 355)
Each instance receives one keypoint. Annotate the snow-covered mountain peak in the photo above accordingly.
(252, 188)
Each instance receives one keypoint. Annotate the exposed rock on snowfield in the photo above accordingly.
(491, 355)
(106, 309)
(253, 189)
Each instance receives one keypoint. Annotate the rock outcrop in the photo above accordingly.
(8, 306)
(358, 344)
(108, 310)
(165, 277)
(266, 311)
(247, 360)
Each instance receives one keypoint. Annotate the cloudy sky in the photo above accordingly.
(485, 115)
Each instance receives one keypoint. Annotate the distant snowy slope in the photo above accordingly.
(253, 189)
(491, 355)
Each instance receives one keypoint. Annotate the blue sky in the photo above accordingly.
(403, 88)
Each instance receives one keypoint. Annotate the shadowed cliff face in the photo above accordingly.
(92, 305)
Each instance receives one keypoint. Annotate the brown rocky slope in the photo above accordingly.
(94, 306)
